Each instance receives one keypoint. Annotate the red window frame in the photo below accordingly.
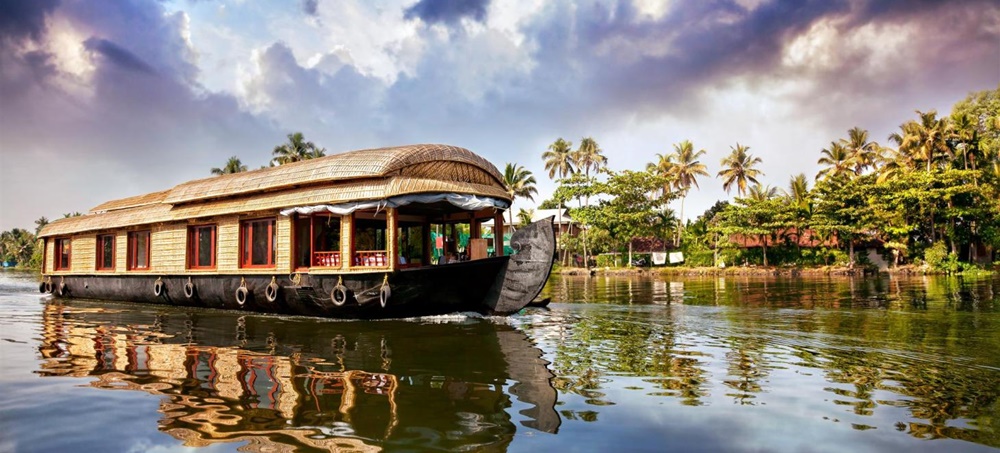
(194, 243)
(99, 264)
(64, 246)
(247, 239)
(133, 249)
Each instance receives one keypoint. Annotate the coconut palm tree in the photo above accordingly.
(924, 140)
(40, 223)
(519, 183)
(762, 193)
(589, 156)
(686, 170)
(837, 159)
(297, 149)
(559, 160)
(663, 166)
(861, 151)
(233, 165)
(525, 215)
(798, 190)
(738, 168)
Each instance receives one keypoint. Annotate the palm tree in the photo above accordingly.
(519, 184)
(923, 140)
(589, 156)
(297, 149)
(798, 190)
(861, 151)
(838, 162)
(663, 166)
(525, 215)
(762, 193)
(738, 168)
(559, 160)
(40, 223)
(233, 165)
(686, 171)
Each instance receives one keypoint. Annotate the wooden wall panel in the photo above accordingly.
(121, 251)
(83, 253)
(168, 248)
(50, 254)
(283, 236)
(228, 244)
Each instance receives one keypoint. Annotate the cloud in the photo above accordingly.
(24, 19)
(117, 55)
(310, 7)
(448, 11)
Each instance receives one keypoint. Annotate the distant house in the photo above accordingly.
(650, 244)
(808, 238)
(566, 226)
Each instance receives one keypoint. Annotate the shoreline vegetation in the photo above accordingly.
(769, 271)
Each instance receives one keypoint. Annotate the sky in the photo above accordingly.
(103, 99)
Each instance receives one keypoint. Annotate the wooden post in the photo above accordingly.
(425, 230)
(498, 234)
(347, 241)
(392, 249)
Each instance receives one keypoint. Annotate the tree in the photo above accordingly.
(525, 216)
(233, 165)
(923, 140)
(40, 223)
(589, 156)
(559, 161)
(297, 149)
(861, 151)
(686, 171)
(519, 183)
(760, 218)
(738, 168)
(844, 209)
(798, 190)
(17, 245)
(762, 193)
(627, 211)
(837, 160)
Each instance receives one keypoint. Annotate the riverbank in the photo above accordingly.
(786, 271)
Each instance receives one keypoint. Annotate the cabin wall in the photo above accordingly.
(283, 257)
(83, 253)
(121, 251)
(50, 254)
(227, 244)
(168, 248)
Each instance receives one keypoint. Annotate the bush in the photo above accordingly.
(935, 256)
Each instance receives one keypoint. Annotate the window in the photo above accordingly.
(257, 244)
(369, 240)
(106, 252)
(138, 250)
(317, 241)
(201, 247)
(63, 250)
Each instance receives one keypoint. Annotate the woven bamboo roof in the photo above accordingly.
(373, 174)
(350, 165)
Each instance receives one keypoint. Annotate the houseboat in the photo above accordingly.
(377, 233)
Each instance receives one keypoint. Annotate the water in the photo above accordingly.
(617, 363)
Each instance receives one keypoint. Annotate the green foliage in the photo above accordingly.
(626, 209)
(17, 246)
(935, 256)
(608, 260)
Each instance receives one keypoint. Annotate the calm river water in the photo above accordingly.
(615, 364)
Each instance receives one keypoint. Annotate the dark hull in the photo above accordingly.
(499, 285)
(414, 292)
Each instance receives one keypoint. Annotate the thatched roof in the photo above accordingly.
(372, 174)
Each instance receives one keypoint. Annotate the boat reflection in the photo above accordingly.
(285, 383)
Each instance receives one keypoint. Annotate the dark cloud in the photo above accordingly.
(310, 7)
(21, 19)
(447, 11)
(117, 55)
